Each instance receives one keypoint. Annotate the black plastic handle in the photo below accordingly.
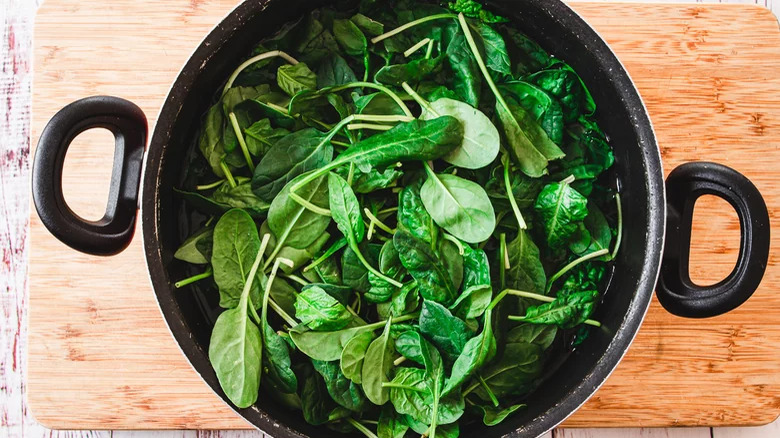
(676, 292)
(112, 233)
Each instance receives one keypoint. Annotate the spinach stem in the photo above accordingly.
(254, 59)
(531, 295)
(504, 255)
(213, 185)
(387, 210)
(297, 279)
(454, 240)
(366, 65)
(589, 322)
(339, 143)
(279, 311)
(308, 205)
(398, 320)
(377, 87)
(429, 50)
(399, 361)
(244, 303)
(410, 25)
(481, 63)
(241, 141)
(375, 127)
(351, 174)
(568, 180)
(363, 429)
(497, 299)
(372, 269)
(512, 201)
(416, 47)
(193, 279)
(370, 232)
(423, 103)
(336, 247)
(284, 110)
(375, 220)
(269, 284)
(489, 391)
(228, 174)
(574, 263)
(619, 237)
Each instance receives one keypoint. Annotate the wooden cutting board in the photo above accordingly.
(100, 355)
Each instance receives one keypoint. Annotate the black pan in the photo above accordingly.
(654, 215)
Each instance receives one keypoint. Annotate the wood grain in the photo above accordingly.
(100, 355)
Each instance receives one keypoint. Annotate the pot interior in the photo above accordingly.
(191, 313)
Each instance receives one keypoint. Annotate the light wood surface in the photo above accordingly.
(100, 355)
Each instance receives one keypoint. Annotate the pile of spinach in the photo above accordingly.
(405, 216)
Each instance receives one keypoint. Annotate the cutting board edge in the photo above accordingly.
(46, 418)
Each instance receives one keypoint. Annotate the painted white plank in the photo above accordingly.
(768, 431)
(698, 432)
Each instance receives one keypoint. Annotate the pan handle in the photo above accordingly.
(676, 292)
(111, 234)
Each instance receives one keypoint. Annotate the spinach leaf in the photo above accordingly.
(367, 25)
(452, 261)
(197, 248)
(376, 104)
(261, 136)
(460, 206)
(496, 55)
(293, 224)
(519, 365)
(449, 333)
(526, 271)
(236, 244)
(390, 424)
(339, 292)
(242, 197)
(319, 311)
(293, 79)
(365, 183)
(345, 209)
(353, 355)
(412, 216)
(416, 140)
(350, 37)
(467, 80)
(276, 361)
(560, 209)
(542, 107)
(566, 311)
(354, 274)
(481, 140)
(334, 71)
(477, 292)
(412, 71)
(563, 83)
(325, 346)
(492, 416)
(235, 348)
(390, 265)
(291, 156)
(411, 395)
(541, 335)
(315, 400)
(477, 351)
(423, 264)
(343, 391)
(376, 367)
(529, 144)
(473, 9)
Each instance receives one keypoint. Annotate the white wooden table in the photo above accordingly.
(15, 419)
